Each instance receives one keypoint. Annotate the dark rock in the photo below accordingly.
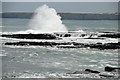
(108, 32)
(104, 46)
(30, 36)
(67, 35)
(68, 44)
(111, 35)
(83, 35)
(57, 36)
(110, 69)
(92, 71)
(107, 75)
(99, 43)
(23, 43)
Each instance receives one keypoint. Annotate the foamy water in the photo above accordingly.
(46, 19)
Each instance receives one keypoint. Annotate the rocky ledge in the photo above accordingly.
(30, 36)
(62, 35)
(109, 72)
(112, 73)
(104, 40)
(67, 44)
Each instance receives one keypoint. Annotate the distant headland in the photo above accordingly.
(68, 16)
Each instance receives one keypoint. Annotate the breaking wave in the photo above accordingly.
(46, 19)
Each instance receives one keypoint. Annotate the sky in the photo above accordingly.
(66, 7)
(60, 0)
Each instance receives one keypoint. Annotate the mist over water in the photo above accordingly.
(46, 19)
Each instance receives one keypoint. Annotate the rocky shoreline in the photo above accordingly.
(67, 45)
(101, 41)
(61, 35)
(110, 73)
(67, 40)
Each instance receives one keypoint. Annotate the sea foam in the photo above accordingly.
(46, 19)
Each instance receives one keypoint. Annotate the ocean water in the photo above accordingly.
(14, 25)
(32, 61)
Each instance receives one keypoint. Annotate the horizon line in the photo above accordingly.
(60, 1)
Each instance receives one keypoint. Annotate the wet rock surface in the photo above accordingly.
(30, 36)
(67, 45)
(111, 69)
(110, 35)
(68, 40)
(69, 34)
(92, 71)
(105, 74)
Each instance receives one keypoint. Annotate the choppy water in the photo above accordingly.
(53, 62)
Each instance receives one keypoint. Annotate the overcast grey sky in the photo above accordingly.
(73, 7)
(60, 0)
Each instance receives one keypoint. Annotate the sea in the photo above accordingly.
(50, 62)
